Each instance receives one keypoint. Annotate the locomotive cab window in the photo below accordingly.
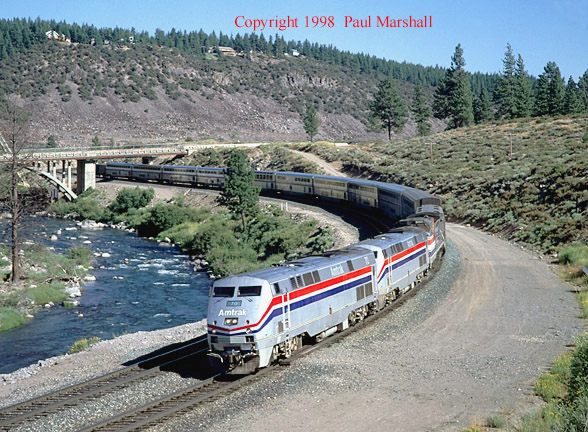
(246, 291)
(220, 291)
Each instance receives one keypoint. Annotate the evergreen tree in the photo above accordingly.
(421, 111)
(571, 100)
(240, 194)
(550, 91)
(51, 142)
(311, 122)
(453, 97)
(481, 107)
(389, 107)
(583, 91)
(523, 90)
(504, 95)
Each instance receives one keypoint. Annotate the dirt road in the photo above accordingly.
(479, 350)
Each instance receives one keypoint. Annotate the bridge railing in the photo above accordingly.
(118, 151)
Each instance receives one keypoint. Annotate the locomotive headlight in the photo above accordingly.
(248, 330)
(231, 321)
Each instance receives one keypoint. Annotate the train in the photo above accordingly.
(262, 316)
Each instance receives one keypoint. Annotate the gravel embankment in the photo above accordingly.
(105, 356)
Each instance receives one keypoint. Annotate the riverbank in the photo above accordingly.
(46, 278)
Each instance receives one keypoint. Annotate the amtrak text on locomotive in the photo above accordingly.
(232, 312)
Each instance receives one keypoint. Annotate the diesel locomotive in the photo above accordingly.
(258, 317)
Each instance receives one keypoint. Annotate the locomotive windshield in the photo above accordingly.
(246, 291)
(220, 291)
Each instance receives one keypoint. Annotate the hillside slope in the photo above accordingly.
(145, 93)
(526, 179)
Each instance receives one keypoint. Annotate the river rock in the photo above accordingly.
(164, 244)
(73, 289)
(89, 278)
(105, 255)
(90, 224)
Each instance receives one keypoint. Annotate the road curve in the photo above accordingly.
(479, 350)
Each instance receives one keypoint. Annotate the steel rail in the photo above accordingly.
(63, 398)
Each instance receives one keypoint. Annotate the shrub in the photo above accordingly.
(83, 344)
(80, 255)
(578, 383)
(496, 421)
(549, 386)
(573, 255)
(129, 198)
(162, 217)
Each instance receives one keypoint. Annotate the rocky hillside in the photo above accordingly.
(146, 93)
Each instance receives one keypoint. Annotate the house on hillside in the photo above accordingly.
(53, 35)
(226, 51)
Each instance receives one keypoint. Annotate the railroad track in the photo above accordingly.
(161, 410)
(34, 409)
(218, 386)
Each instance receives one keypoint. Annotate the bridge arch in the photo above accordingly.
(69, 194)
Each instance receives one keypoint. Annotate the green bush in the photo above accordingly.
(129, 198)
(578, 383)
(83, 344)
(162, 217)
(80, 255)
(573, 255)
(62, 208)
(496, 421)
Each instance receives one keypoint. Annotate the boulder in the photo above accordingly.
(73, 289)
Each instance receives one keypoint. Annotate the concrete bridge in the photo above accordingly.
(46, 161)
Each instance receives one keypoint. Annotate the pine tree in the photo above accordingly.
(504, 95)
(523, 90)
(453, 98)
(571, 100)
(421, 111)
(583, 91)
(389, 107)
(550, 91)
(240, 194)
(481, 107)
(311, 122)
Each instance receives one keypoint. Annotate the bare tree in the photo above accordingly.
(14, 122)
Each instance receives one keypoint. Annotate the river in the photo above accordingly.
(141, 286)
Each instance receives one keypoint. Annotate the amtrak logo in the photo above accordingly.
(232, 312)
